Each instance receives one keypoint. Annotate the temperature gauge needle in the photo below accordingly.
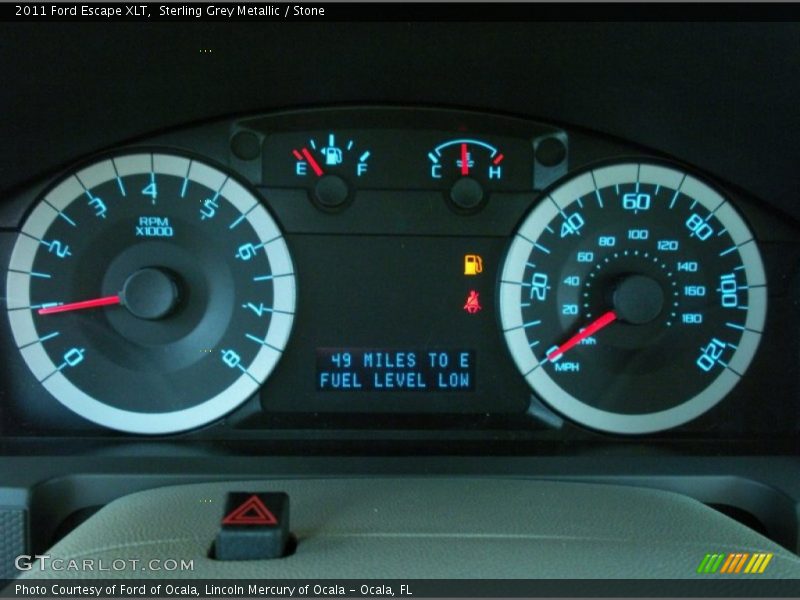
(94, 303)
(312, 162)
(595, 326)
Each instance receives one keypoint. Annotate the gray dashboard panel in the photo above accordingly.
(427, 528)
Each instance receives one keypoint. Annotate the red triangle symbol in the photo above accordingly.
(251, 512)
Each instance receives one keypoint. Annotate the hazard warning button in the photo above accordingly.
(254, 526)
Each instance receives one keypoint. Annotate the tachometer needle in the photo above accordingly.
(94, 303)
(595, 326)
(312, 162)
(464, 160)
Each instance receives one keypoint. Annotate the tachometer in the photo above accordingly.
(633, 298)
(150, 292)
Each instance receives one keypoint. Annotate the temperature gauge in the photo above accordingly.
(465, 158)
(469, 164)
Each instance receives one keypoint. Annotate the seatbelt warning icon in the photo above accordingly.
(473, 304)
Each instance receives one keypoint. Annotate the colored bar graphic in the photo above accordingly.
(733, 566)
(741, 562)
(717, 563)
(731, 560)
(703, 564)
(767, 558)
(734, 563)
(754, 563)
(710, 563)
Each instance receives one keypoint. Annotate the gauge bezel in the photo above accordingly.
(96, 171)
(563, 193)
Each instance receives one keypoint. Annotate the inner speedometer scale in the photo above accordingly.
(633, 298)
(150, 293)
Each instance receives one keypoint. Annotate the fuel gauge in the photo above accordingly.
(320, 157)
(331, 163)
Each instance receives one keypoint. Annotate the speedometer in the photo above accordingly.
(150, 292)
(633, 298)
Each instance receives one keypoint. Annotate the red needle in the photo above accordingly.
(591, 329)
(311, 161)
(108, 300)
(464, 161)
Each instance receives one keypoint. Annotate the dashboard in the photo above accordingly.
(448, 269)
(578, 261)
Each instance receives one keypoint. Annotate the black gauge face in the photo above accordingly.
(633, 298)
(150, 293)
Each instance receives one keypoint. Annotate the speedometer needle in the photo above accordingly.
(106, 301)
(312, 162)
(595, 326)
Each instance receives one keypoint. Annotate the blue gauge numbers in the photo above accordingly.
(150, 292)
(633, 298)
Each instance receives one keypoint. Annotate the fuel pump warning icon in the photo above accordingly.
(473, 264)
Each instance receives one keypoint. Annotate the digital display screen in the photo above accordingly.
(395, 370)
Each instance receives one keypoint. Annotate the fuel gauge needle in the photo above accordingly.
(312, 162)
(599, 323)
(94, 303)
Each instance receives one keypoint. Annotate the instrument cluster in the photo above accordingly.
(394, 269)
